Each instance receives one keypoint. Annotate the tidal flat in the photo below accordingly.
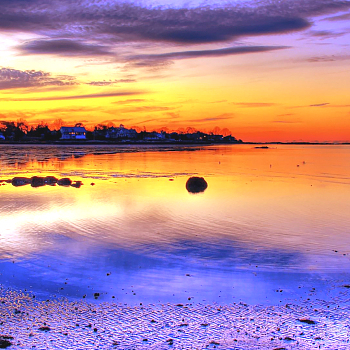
(62, 324)
(131, 259)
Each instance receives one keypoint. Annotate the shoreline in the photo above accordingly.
(58, 323)
(165, 143)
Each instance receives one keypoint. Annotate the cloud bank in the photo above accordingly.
(97, 28)
(14, 78)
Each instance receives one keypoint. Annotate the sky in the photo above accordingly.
(268, 70)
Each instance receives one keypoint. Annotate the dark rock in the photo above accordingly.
(50, 180)
(64, 182)
(262, 147)
(305, 320)
(4, 342)
(196, 184)
(37, 181)
(45, 329)
(20, 181)
(77, 184)
(213, 342)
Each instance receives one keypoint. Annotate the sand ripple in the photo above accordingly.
(63, 324)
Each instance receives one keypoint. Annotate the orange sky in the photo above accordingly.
(267, 71)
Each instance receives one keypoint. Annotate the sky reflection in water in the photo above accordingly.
(270, 219)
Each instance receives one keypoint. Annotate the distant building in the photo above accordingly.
(121, 133)
(2, 137)
(155, 136)
(73, 133)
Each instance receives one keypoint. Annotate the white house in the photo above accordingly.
(73, 133)
(2, 137)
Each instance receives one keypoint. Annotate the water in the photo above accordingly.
(272, 226)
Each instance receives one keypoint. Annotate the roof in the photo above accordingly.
(73, 129)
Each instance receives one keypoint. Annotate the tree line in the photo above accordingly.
(21, 131)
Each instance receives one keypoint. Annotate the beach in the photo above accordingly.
(63, 324)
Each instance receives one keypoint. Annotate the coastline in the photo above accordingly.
(170, 143)
(60, 323)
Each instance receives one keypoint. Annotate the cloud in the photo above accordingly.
(287, 121)
(220, 101)
(76, 97)
(15, 79)
(253, 104)
(343, 17)
(320, 104)
(144, 109)
(325, 34)
(110, 23)
(107, 83)
(63, 47)
(152, 59)
(134, 100)
(223, 116)
(325, 58)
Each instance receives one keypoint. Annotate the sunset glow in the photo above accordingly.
(267, 70)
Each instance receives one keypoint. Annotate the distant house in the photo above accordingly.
(155, 136)
(121, 133)
(2, 137)
(73, 133)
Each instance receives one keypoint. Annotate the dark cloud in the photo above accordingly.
(200, 25)
(320, 104)
(108, 23)
(151, 59)
(107, 83)
(76, 97)
(63, 47)
(14, 79)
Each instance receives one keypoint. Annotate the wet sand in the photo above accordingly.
(62, 324)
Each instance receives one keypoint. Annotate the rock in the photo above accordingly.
(45, 329)
(305, 320)
(77, 184)
(4, 342)
(37, 181)
(50, 180)
(20, 181)
(196, 184)
(64, 182)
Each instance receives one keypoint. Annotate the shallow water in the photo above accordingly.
(272, 225)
